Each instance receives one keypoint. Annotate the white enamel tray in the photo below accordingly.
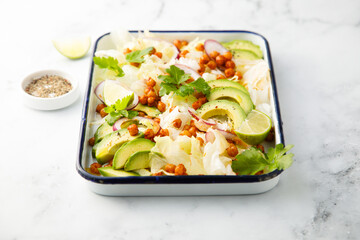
(176, 185)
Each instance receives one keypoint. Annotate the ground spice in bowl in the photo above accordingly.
(48, 86)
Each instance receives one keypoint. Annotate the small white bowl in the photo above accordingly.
(50, 103)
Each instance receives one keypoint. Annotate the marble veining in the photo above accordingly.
(315, 49)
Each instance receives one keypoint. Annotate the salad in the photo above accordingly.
(198, 107)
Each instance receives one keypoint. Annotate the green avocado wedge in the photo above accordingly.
(126, 151)
(110, 172)
(102, 131)
(232, 94)
(138, 160)
(150, 111)
(244, 54)
(227, 83)
(244, 45)
(223, 107)
(105, 150)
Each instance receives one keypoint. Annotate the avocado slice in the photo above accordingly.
(244, 45)
(233, 94)
(136, 145)
(102, 131)
(137, 161)
(150, 111)
(244, 54)
(107, 147)
(110, 172)
(227, 83)
(223, 107)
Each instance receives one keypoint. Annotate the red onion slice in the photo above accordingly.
(211, 45)
(99, 89)
(193, 114)
(118, 123)
(188, 70)
(134, 103)
(210, 137)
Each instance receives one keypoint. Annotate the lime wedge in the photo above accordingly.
(73, 48)
(255, 127)
(113, 91)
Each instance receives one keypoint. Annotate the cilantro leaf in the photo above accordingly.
(138, 55)
(253, 160)
(177, 75)
(249, 162)
(118, 110)
(132, 114)
(112, 118)
(185, 90)
(109, 63)
(201, 86)
(121, 104)
(166, 88)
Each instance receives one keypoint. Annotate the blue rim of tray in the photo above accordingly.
(193, 179)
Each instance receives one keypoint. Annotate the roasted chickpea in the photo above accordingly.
(228, 55)
(153, 51)
(149, 134)
(229, 72)
(148, 89)
(183, 53)
(143, 100)
(200, 47)
(239, 75)
(202, 68)
(157, 174)
(109, 164)
(99, 107)
(157, 120)
(126, 51)
(151, 82)
(184, 43)
(192, 123)
(261, 147)
(103, 113)
(200, 140)
(199, 94)
(229, 64)
(94, 168)
(220, 60)
(204, 59)
(214, 54)
(142, 114)
(151, 101)
(196, 105)
(164, 132)
(151, 93)
(192, 131)
(220, 76)
(271, 136)
(177, 43)
(91, 141)
(170, 168)
(186, 133)
(180, 170)
(158, 54)
(186, 127)
(211, 64)
(133, 129)
(177, 123)
(203, 100)
(135, 64)
(232, 150)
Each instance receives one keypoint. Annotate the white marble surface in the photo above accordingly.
(316, 53)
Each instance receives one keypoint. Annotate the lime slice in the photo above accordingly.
(168, 50)
(113, 91)
(73, 48)
(255, 127)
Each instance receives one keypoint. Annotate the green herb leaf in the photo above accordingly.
(138, 56)
(121, 104)
(201, 86)
(177, 75)
(185, 90)
(166, 88)
(112, 118)
(132, 114)
(117, 110)
(109, 63)
(249, 162)
(253, 160)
